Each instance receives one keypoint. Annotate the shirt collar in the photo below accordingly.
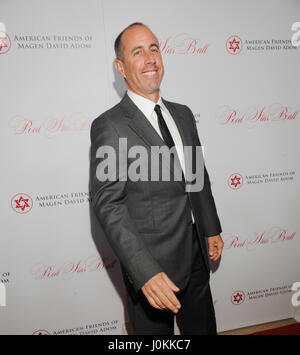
(145, 105)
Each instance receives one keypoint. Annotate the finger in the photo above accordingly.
(170, 283)
(150, 291)
(168, 287)
(157, 301)
(218, 251)
(211, 249)
(153, 303)
(169, 293)
(167, 297)
(157, 287)
(148, 295)
(212, 253)
(152, 299)
(169, 300)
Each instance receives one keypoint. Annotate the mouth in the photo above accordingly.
(150, 73)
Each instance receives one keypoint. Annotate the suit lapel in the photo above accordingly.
(139, 123)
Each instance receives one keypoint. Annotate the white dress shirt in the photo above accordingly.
(147, 107)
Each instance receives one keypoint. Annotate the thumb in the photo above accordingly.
(211, 248)
(170, 283)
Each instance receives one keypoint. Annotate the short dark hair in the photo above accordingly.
(118, 44)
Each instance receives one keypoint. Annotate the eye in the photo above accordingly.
(137, 52)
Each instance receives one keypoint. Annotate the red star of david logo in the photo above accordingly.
(235, 181)
(41, 332)
(234, 45)
(3, 43)
(21, 203)
(238, 297)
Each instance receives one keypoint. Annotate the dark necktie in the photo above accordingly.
(164, 128)
(166, 134)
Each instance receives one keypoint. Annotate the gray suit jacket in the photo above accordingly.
(148, 223)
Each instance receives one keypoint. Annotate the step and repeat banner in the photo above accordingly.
(235, 64)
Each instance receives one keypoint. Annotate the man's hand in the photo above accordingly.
(159, 291)
(215, 247)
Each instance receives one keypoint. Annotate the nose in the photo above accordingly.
(150, 58)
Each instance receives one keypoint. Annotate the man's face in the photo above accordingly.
(141, 63)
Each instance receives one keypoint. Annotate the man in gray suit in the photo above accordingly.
(157, 229)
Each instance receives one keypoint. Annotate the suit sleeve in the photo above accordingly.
(209, 218)
(109, 203)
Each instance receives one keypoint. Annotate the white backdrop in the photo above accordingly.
(233, 63)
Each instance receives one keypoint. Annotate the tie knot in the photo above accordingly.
(157, 109)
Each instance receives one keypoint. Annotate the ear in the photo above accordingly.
(119, 65)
